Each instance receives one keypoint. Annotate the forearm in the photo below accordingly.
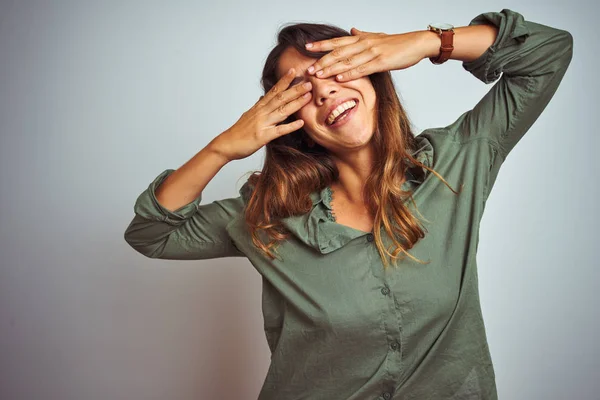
(187, 182)
(470, 42)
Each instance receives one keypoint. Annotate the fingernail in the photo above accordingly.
(311, 69)
(340, 77)
(308, 45)
(290, 71)
(319, 73)
(307, 85)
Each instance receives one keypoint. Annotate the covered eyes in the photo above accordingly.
(295, 81)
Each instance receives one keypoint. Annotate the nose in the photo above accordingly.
(323, 88)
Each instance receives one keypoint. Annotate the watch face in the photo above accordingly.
(441, 25)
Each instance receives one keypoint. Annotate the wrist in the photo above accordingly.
(430, 43)
(216, 152)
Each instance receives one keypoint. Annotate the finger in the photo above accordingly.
(330, 44)
(355, 31)
(283, 98)
(336, 55)
(369, 68)
(284, 129)
(280, 86)
(260, 102)
(348, 63)
(282, 112)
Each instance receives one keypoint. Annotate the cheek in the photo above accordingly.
(370, 100)
(307, 114)
(369, 92)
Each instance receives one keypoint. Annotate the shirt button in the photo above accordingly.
(394, 345)
(370, 237)
(385, 291)
(387, 395)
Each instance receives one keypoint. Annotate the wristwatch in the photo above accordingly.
(446, 32)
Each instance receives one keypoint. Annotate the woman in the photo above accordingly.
(335, 196)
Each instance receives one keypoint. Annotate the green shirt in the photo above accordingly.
(339, 325)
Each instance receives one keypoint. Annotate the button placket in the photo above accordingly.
(395, 366)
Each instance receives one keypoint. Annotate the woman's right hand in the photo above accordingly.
(258, 126)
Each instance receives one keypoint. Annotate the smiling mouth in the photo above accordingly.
(341, 117)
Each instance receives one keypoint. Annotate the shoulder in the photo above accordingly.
(248, 188)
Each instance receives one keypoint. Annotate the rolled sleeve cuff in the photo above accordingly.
(512, 30)
(148, 207)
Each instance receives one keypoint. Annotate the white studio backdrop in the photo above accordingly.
(98, 98)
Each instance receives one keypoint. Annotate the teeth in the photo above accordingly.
(340, 109)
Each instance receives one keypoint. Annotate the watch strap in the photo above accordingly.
(447, 46)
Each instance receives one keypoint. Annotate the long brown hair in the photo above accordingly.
(292, 169)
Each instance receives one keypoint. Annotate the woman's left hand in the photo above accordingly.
(365, 53)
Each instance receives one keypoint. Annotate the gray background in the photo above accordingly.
(96, 99)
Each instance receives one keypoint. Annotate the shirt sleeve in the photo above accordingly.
(195, 231)
(531, 59)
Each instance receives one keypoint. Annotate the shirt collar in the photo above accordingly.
(318, 228)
